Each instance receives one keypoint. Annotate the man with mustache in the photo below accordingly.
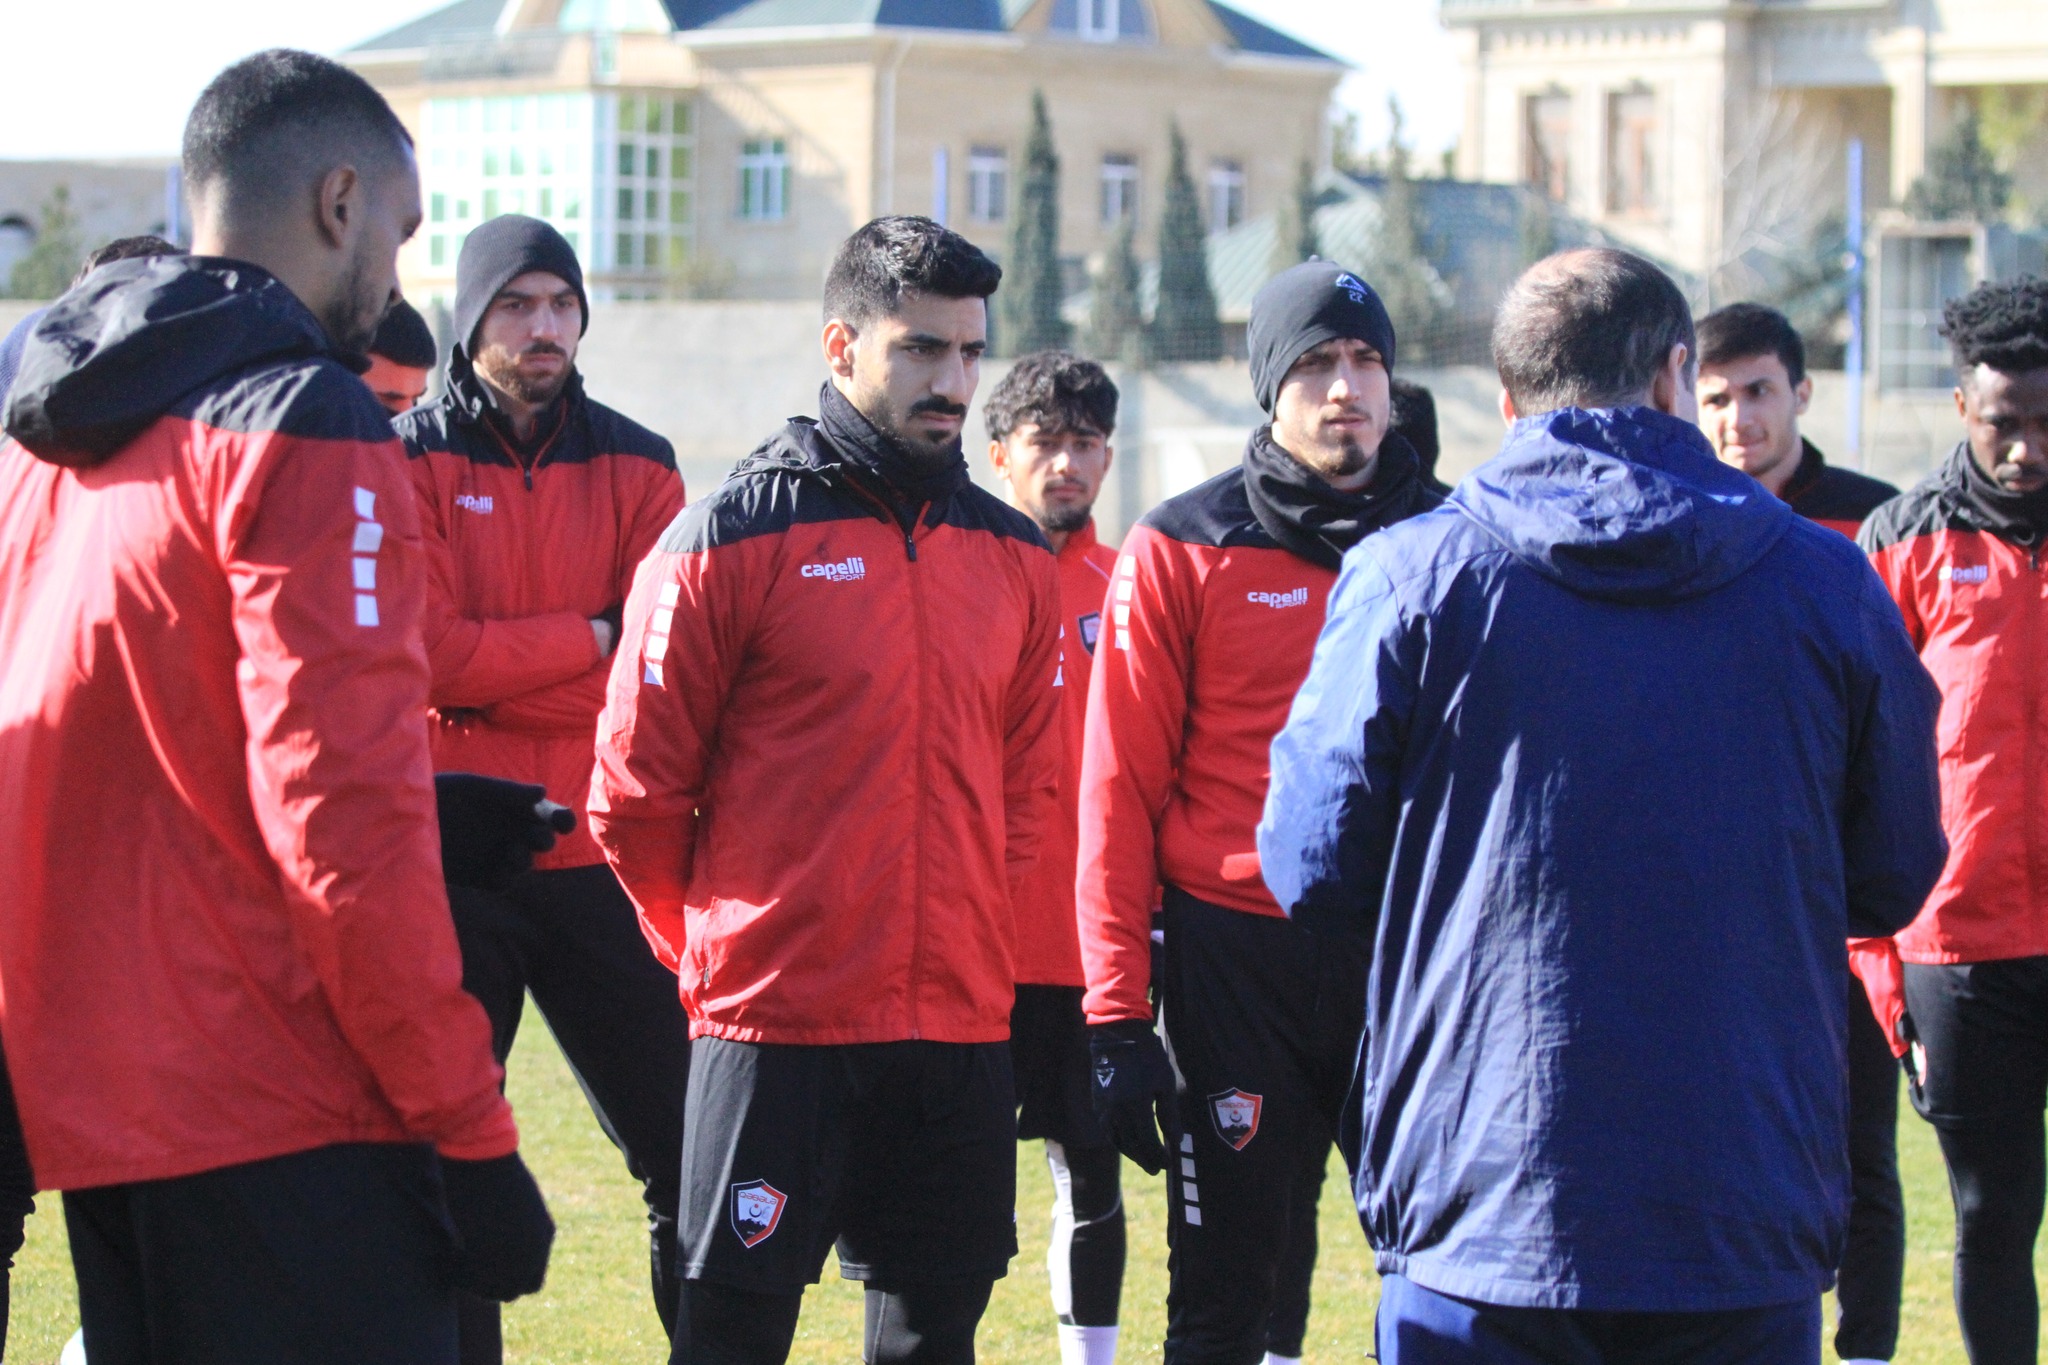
(1212, 617)
(537, 502)
(825, 770)
(1963, 990)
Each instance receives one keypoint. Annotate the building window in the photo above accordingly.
(1119, 188)
(437, 250)
(1546, 143)
(439, 212)
(627, 198)
(988, 184)
(1226, 195)
(1632, 152)
(624, 250)
(1102, 21)
(764, 180)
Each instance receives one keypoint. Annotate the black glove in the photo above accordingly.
(491, 828)
(503, 1226)
(1132, 1080)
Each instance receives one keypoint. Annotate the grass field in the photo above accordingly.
(594, 1310)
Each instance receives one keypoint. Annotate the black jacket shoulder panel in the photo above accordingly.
(1842, 495)
(447, 425)
(311, 398)
(1924, 509)
(614, 433)
(1216, 513)
(761, 502)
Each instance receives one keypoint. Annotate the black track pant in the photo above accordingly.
(1263, 1022)
(571, 938)
(1984, 1026)
(1873, 1271)
(335, 1256)
(17, 1193)
(928, 1324)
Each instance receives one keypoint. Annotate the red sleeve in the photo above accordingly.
(685, 631)
(321, 547)
(1875, 961)
(479, 662)
(1032, 753)
(567, 708)
(1137, 706)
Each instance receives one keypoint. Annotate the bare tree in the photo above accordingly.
(1775, 205)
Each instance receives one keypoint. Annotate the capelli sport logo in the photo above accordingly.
(1296, 598)
(1354, 286)
(1963, 573)
(849, 570)
(471, 502)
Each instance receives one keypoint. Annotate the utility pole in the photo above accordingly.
(1853, 362)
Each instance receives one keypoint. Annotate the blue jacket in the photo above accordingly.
(1607, 755)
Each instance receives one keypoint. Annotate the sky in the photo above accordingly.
(110, 78)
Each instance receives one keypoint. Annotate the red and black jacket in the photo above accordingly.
(524, 550)
(831, 746)
(1838, 499)
(1048, 943)
(224, 936)
(1964, 561)
(1211, 624)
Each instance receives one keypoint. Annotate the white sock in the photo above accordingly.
(1272, 1359)
(1865, 1360)
(1087, 1345)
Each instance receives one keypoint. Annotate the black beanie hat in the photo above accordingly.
(1303, 307)
(404, 338)
(499, 252)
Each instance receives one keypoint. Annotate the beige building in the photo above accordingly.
(1705, 130)
(727, 146)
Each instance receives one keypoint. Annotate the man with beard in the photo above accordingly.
(536, 503)
(826, 767)
(232, 999)
(1213, 612)
(1968, 1006)
(1049, 427)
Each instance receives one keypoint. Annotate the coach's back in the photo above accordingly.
(1608, 754)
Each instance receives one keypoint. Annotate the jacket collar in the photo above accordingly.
(2021, 518)
(1318, 522)
(1805, 474)
(1080, 542)
(884, 461)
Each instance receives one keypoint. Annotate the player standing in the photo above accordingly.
(827, 764)
(1961, 553)
(537, 502)
(1213, 613)
(233, 1007)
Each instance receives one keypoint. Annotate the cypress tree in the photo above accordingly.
(1295, 238)
(46, 271)
(1116, 321)
(1402, 271)
(1185, 326)
(1029, 304)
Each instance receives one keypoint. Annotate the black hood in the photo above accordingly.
(137, 337)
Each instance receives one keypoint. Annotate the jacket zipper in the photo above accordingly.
(547, 447)
(923, 777)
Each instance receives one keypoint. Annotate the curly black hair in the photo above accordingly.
(2004, 326)
(1053, 390)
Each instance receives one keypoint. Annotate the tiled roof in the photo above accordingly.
(466, 19)
(450, 23)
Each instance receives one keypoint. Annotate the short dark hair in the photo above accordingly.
(2004, 326)
(890, 257)
(1054, 390)
(1588, 328)
(125, 249)
(263, 125)
(404, 338)
(1414, 416)
(1745, 330)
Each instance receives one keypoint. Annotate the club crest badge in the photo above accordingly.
(756, 1209)
(1236, 1115)
(1091, 630)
